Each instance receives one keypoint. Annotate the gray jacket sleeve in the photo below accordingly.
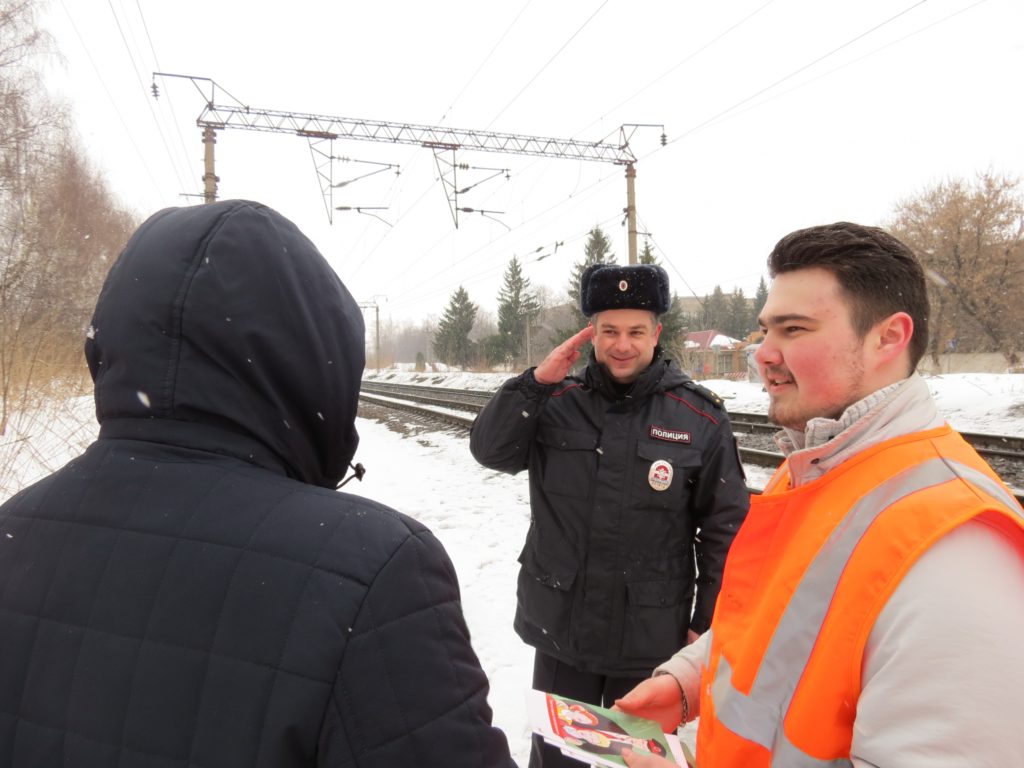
(685, 666)
(503, 432)
(409, 690)
(943, 673)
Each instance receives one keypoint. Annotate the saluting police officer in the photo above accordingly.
(636, 492)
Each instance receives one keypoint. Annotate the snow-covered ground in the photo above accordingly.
(479, 515)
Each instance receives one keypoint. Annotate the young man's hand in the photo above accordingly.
(656, 698)
(633, 760)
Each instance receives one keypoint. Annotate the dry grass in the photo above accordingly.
(47, 418)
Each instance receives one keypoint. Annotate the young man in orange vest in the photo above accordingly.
(872, 606)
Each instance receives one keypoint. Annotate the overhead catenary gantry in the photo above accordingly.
(215, 117)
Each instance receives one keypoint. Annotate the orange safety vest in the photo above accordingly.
(806, 577)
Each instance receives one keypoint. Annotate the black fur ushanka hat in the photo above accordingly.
(612, 286)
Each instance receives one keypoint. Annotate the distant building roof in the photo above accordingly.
(710, 339)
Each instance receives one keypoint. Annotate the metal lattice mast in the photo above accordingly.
(216, 117)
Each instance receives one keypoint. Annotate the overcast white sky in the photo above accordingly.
(779, 114)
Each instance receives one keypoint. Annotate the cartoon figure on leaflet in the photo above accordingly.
(575, 713)
(592, 732)
(608, 743)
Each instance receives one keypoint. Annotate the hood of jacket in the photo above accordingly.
(224, 319)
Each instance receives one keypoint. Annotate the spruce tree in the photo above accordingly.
(760, 299)
(452, 345)
(596, 251)
(647, 254)
(739, 315)
(673, 322)
(716, 311)
(517, 314)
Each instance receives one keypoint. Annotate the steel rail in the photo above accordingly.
(1004, 446)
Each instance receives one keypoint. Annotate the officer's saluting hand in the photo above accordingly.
(560, 360)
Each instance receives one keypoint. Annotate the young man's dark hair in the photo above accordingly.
(879, 274)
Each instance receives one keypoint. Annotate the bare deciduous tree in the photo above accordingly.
(970, 239)
(59, 225)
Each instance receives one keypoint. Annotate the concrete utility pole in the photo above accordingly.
(376, 325)
(631, 210)
(209, 177)
(215, 117)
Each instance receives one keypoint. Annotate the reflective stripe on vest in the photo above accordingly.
(758, 716)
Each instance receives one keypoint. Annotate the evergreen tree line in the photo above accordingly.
(968, 235)
(522, 338)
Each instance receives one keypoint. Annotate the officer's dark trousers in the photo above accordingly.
(554, 676)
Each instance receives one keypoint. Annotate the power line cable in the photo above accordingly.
(714, 40)
(547, 64)
(715, 121)
(170, 104)
(515, 230)
(661, 77)
(486, 59)
(399, 220)
(732, 111)
(850, 62)
(539, 72)
(489, 271)
(796, 72)
(391, 231)
(463, 259)
(110, 97)
(667, 72)
(393, 191)
(675, 269)
(684, 60)
(578, 193)
(142, 89)
(578, 197)
(504, 236)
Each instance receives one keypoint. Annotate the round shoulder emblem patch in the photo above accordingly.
(660, 475)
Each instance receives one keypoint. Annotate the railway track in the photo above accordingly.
(458, 407)
(1004, 446)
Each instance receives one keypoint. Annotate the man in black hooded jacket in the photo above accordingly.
(192, 590)
(636, 492)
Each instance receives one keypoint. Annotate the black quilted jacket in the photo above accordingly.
(192, 591)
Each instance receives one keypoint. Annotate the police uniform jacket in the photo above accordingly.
(635, 494)
(192, 591)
